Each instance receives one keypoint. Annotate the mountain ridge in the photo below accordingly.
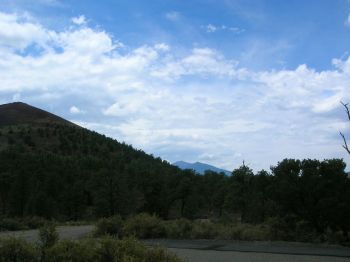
(200, 167)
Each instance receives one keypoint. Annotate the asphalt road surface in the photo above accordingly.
(65, 232)
(221, 251)
(193, 255)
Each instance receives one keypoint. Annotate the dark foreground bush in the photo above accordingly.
(109, 226)
(15, 249)
(132, 250)
(13, 224)
(34, 222)
(149, 226)
(144, 226)
(70, 250)
(247, 232)
(179, 229)
(86, 250)
(10, 224)
(48, 235)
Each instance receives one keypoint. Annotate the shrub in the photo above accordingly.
(334, 237)
(74, 251)
(179, 228)
(11, 224)
(48, 235)
(160, 254)
(131, 250)
(108, 250)
(281, 229)
(304, 232)
(34, 222)
(121, 250)
(144, 226)
(205, 230)
(16, 249)
(255, 233)
(233, 232)
(109, 226)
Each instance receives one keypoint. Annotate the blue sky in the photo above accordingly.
(212, 81)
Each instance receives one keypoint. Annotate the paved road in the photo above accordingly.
(193, 255)
(222, 251)
(65, 232)
(290, 248)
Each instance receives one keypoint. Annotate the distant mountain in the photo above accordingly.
(200, 167)
(19, 113)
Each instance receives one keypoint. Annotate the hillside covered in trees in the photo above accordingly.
(52, 168)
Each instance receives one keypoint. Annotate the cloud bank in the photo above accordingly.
(180, 107)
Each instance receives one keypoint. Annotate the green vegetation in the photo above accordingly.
(145, 226)
(62, 172)
(109, 226)
(24, 223)
(50, 249)
(16, 249)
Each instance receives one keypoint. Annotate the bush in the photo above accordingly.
(121, 250)
(105, 250)
(34, 222)
(334, 237)
(160, 254)
(16, 249)
(304, 232)
(281, 229)
(87, 250)
(11, 224)
(109, 226)
(205, 230)
(233, 232)
(244, 232)
(131, 250)
(144, 226)
(179, 228)
(48, 235)
(74, 251)
(255, 233)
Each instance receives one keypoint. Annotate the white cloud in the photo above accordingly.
(17, 32)
(75, 110)
(201, 61)
(236, 30)
(347, 21)
(162, 47)
(196, 104)
(210, 28)
(80, 20)
(172, 16)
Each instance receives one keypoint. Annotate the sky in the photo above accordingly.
(219, 82)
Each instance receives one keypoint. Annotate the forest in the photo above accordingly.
(66, 172)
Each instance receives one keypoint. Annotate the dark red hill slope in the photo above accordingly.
(20, 113)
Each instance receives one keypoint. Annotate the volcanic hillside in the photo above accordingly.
(21, 113)
(53, 168)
